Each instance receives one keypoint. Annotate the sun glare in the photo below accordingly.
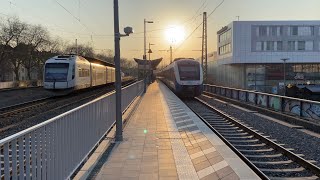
(175, 34)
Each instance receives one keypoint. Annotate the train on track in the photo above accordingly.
(67, 73)
(183, 76)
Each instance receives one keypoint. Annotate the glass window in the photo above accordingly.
(301, 45)
(305, 31)
(279, 46)
(309, 45)
(259, 46)
(270, 46)
(279, 31)
(291, 45)
(189, 71)
(56, 72)
(294, 30)
(262, 30)
(273, 31)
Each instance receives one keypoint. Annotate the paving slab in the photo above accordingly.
(164, 140)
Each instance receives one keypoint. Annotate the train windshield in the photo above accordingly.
(56, 72)
(189, 71)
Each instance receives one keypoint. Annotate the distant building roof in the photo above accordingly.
(154, 63)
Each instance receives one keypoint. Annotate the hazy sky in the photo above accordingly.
(96, 17)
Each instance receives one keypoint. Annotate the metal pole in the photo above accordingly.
(144, 57)
(284, 77)
(77, 46)
(170, 54)
(118, 75)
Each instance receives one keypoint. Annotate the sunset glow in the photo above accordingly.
(175, 34)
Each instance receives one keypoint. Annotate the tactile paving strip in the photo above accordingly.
(195, 156)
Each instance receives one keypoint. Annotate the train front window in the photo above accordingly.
(189, 72)
(56, 72)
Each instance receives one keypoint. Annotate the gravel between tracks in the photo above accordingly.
(12, 97)
(302, 143)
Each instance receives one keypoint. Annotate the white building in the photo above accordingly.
(249, 54)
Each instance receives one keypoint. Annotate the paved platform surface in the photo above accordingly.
(165, 140)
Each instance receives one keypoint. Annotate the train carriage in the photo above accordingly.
(184, 77)
(72, 72)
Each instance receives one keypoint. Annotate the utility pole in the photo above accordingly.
(204, 58)
(77, 47)
(284, 74)
(118, 75)
(145, 54)
(170, 54)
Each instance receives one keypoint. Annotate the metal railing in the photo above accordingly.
(56, 148)
(293, 106)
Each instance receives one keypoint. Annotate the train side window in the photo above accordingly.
(80, 72)
(73, 71)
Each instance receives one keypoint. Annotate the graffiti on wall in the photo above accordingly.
(262, 100)
(309, 110)
(223, 91)
(228, 93)
(275, 103)
(252, 98)
(242, 96)
(234, 94)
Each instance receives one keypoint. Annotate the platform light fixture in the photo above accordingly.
(145, 54)
(117, 36)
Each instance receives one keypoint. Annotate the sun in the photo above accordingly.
(175, 34)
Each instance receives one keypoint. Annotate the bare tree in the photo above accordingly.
(83, 50)
(36, 38)
(11, 34)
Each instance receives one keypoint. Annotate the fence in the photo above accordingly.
(4, 85)
(54, 149)
(293, 106)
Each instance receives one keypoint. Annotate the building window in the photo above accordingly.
(309, 45)
(270, 46)
(306, 31)
(273, 31)
(301, 45)
(279, 31)
(291, 45)
(225, 49)
(279, 46)
(262, 30)
(293, 30)
(259, 46)
(225, 36)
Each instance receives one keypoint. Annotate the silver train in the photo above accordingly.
(72, 72)
(183, 76)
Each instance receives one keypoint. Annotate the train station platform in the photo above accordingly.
(164, 139)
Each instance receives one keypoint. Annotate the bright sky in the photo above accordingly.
(96, 20)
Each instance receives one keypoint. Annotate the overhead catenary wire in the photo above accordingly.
(181, 44)
(76, 18)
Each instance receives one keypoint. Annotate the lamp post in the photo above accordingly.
(145, 54)
(117, 36)
(284, 74)
(150, 69)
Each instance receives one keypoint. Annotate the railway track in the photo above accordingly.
(21, 116)
(267, 158)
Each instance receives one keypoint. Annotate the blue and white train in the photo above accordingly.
(73, 72)
(183, 76)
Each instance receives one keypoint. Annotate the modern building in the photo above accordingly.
(249, 55)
